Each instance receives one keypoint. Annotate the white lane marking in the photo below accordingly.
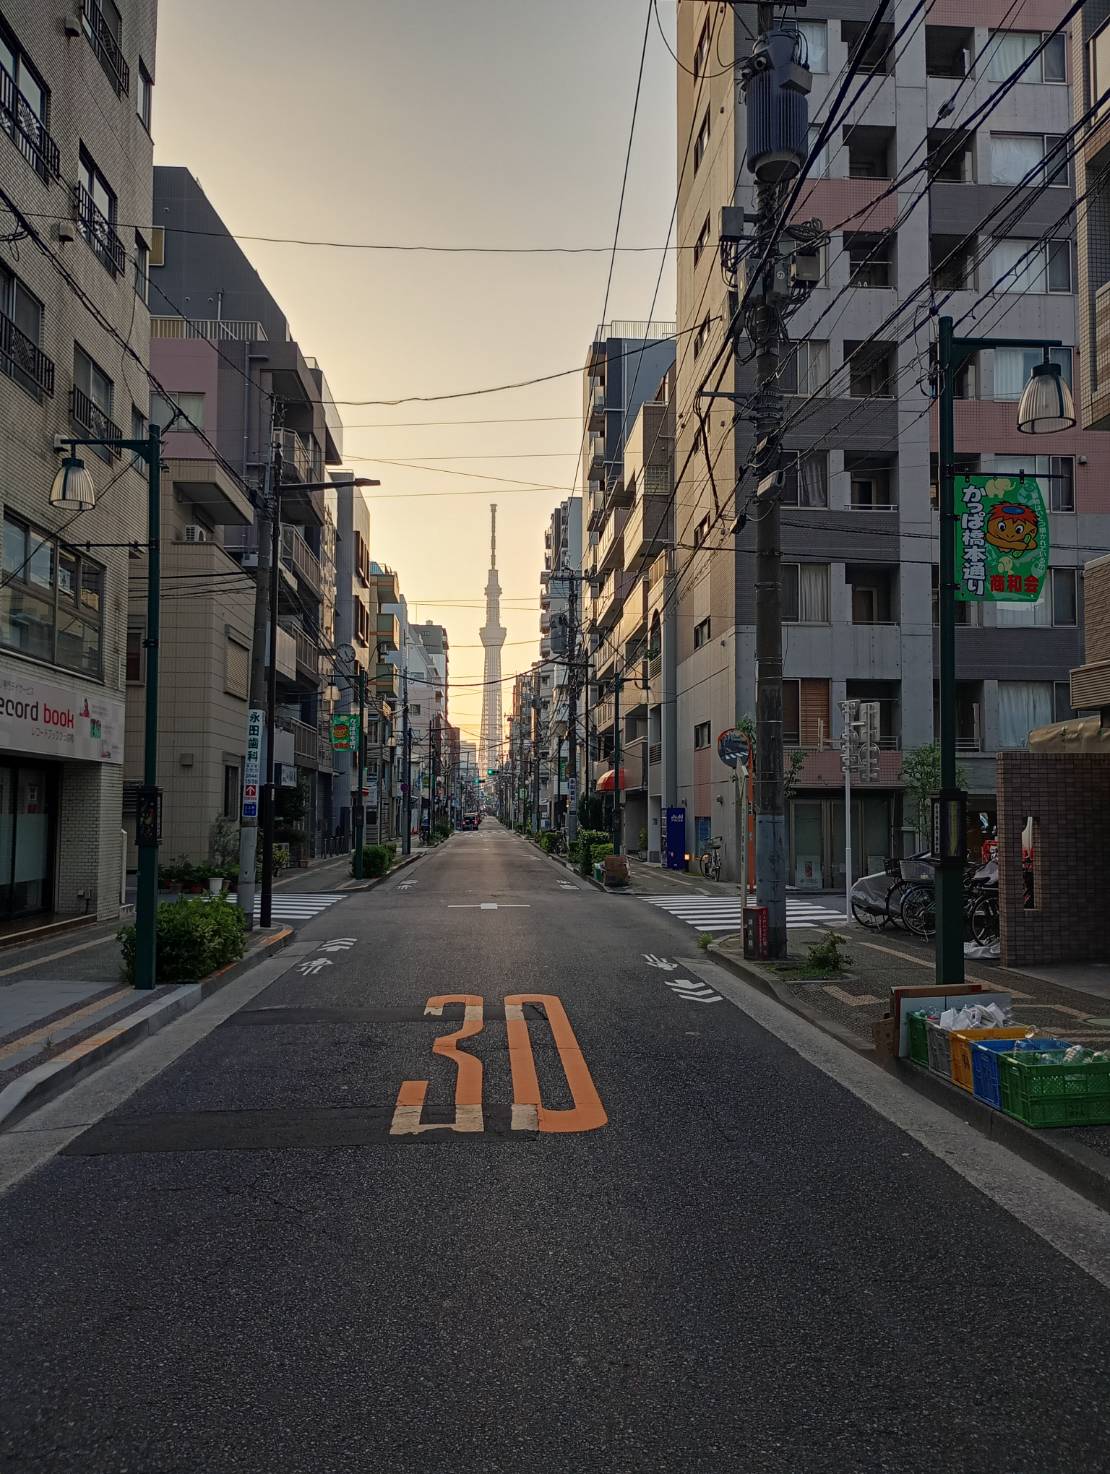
(299, 906)
(315, 964)
(339, 944)
(488, 906)
(726, 913)
(1074, 1227)
(701, 998)
(660, 962)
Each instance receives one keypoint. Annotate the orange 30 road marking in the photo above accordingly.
(587, 1113)
(468, 1084)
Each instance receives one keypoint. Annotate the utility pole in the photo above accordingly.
(256, 715)
(572, 723)
(775, 89)
(360, 780)
(265, 909)
(536, 758)
(618, 682)
(406, 760)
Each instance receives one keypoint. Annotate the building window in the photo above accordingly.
(138, 432)
(701, 143)
(873, 486)
(237, 661)
(1034, 159)
(701, 242)
(701, 531)
(414, 708)
(144, 96)
(52, 600)
(103, 26)
(157, 245)
(1012, 367)
(877, 57)
(231, 790)
(806, 479)
(24, 101)
(703, 735)
(819, 169)
(361, 622)
(1031, 266)
(20, 335)
(815, 44)
(1010, 49)
(701, 633)
(182, 405)
(1098, 52)
(1057, 473)
(134, 665)
(96, 214)
(805, 593)
(872, 369)
(806, 370)
(701, 337)
(805, 712)
(870, 259)
(92, 402)
(1023, 706)
(142, 268)
(701, 51)
(1064, 599)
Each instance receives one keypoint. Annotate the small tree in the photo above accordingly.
(223, 842)
(921, 775)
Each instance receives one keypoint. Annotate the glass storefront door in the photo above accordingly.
(27, 813)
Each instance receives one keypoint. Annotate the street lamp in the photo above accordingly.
(1046, 406)
(265, 908)
(73, 488)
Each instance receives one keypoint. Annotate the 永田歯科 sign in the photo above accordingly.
(1001, 539)
(36, 717)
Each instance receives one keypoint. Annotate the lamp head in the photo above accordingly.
(72, 489)
(1046, 401)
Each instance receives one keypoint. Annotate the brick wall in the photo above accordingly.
(1068, 796)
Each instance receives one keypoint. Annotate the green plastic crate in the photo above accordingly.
(1054, 1094)
(919, 1045)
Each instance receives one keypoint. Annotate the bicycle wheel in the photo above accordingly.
(919, 911)
(870, 919)
(984, 920)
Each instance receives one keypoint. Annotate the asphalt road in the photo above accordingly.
(696, 1251)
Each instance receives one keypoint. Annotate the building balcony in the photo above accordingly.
(207, 485)
(22, 124)
(297, 556)
(301, 459)
(92, 421)
(1090, 686)
(24, 361)
(596, 418)
(655, 754)
(286, 650)
(306, 744)
(97, 229)
(596, 461)
(385, 679)
(1097, 412)
(103, 41)
(610, 601)
(388, 631)
(306, 653)
(388, 587)
(210, 329)
(610, 544)
(633, 761)
(649, 527)
(325, 758)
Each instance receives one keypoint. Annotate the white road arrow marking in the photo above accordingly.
(340, 944)
(315, 964)
(660, 962)
(701, 998)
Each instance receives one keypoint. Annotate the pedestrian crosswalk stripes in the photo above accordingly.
(299, 905)
(726, 913)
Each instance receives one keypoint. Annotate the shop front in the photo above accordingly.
(817, 838)
(58, 749)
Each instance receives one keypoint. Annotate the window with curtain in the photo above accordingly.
(816, 37)
(1023, 706)
(1014, 157)
(1098, 51)
(1012, 367)
(807, 480)
(1057, 475)
(1030, 266)
(813, 593)
(1007, 616)
(1008, 50)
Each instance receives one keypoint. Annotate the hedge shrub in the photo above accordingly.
(376, 860)
(587, 840)
(195, 936)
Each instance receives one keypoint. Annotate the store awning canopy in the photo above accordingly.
(605, 783)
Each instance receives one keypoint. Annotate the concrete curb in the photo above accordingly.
(350, 888)
(1070, 1163)
(50, 1079)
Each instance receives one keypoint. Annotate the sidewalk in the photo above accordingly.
(847, 1007)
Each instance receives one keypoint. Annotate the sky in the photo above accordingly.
(490, 123)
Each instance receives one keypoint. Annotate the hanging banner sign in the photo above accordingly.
(344, 733)
(1001, 539)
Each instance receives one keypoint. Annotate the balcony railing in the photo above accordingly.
(26, 129)
(324, 759)
(306, 652)
(306, 744)
(90, 418)
(107, 48)
(297, 555)
(622, 328)
(23, 359)
(300, 461)
(214, 329)
(97, 230)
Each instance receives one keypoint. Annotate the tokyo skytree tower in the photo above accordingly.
(492, 635)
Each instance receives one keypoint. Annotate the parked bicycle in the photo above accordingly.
(711, 861)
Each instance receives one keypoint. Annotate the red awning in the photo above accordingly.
(605, 782)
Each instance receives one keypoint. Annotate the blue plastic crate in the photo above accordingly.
(984, 1063)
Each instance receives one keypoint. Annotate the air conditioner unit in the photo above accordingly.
(195, 533)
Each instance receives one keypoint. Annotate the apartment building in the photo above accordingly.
(236, 380)
(1090, 69)
(76, 114)
(419, 677)
(560, 607)
(625, 365)
(859, 515)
